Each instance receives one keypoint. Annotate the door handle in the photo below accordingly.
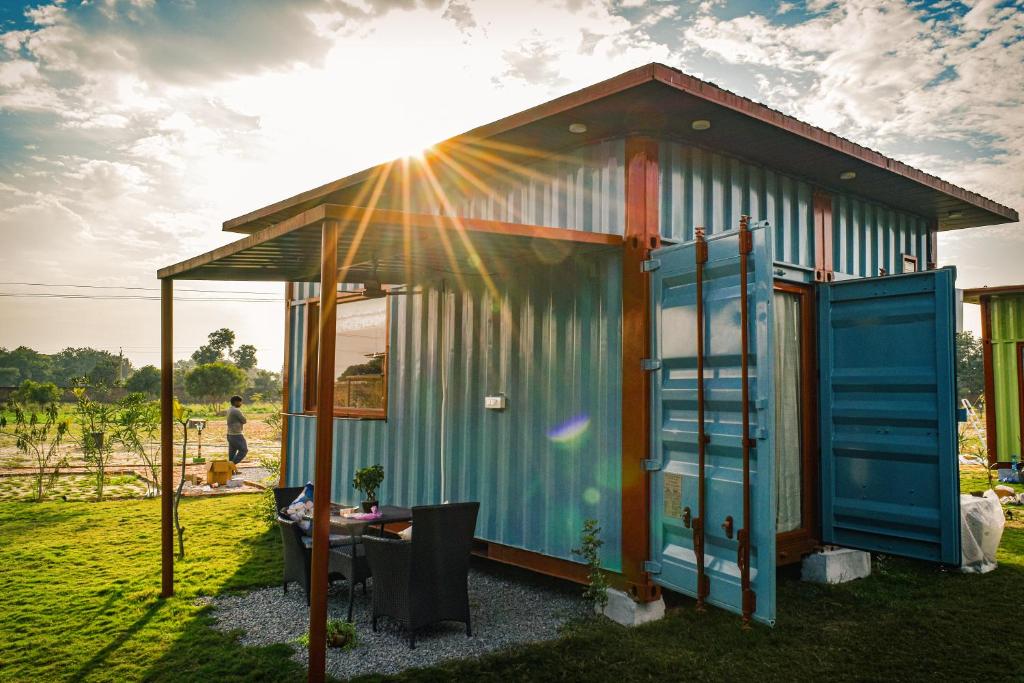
(727, 526)
(686, 517)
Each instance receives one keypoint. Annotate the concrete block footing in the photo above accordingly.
(836, 565)
(624, 610)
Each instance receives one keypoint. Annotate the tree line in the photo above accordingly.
(215, 371)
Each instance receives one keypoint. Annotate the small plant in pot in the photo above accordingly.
(367, 481)
(341, 634)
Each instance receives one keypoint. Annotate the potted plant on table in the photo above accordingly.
(367, 481)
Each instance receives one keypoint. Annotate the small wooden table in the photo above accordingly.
(354, 528)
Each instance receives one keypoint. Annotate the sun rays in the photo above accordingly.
(451, 182)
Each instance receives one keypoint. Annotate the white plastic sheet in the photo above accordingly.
(981, 528)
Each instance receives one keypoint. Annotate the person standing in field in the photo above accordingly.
(237, 448)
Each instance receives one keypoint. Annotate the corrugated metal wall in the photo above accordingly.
(701, 188)
(583, 189)
(867, 237)
(553, 457)
(551, 343)
(1006, 313)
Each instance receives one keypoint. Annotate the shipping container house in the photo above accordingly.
(715, 329)
(1002, 340)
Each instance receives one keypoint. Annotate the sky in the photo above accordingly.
(131, 129)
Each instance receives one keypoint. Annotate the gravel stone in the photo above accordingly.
(508, 609)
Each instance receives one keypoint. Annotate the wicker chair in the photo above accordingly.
(298, 551)
(425, 580)
(298, 558)
(284, 495)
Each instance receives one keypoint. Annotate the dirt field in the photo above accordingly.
(264, 446)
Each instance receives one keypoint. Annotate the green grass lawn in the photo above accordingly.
(79, 584)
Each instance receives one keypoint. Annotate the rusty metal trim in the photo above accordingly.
(743, 547)
(703, 584)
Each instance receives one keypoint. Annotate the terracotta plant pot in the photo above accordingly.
(338, 639)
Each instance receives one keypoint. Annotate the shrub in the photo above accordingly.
(138, 429)
(590, 550)
(39, 438)
(97, 423)
(40, 393)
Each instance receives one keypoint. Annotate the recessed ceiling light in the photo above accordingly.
(577, 128)
(847, 175)
(700, 124)
(955, 214)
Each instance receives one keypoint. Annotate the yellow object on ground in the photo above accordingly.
(219, 472)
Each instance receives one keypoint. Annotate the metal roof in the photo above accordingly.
(974, 296)
(387, 246)
(661, 102)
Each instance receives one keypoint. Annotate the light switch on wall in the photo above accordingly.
(494, 402)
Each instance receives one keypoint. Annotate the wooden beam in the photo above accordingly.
(166, 437)
(324, 451)
(975, 296)
(642, 235)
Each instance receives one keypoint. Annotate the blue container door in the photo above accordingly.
(888, 422)
(674, 421)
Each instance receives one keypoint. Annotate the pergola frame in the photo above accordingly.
(367, 237)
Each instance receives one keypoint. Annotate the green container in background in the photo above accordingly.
(1002, 312)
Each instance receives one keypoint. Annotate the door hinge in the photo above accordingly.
(650, 364)
(652, 465)
(649, 265)
(652, 567)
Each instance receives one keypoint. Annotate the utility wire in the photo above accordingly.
(142, 289)
(132, 297)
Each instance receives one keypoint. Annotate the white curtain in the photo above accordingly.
(787, 411)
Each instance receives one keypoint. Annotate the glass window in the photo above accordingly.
(360, 357)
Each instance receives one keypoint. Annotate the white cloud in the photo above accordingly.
(152, 123)
(888, 76)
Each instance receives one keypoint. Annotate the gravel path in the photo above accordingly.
(507, 610)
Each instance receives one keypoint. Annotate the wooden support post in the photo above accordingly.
(642, 235)
(324, 451)
(166, 437)
(990, 382)
(286, 378)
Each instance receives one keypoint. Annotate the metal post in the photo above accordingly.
(703, 584)
(324, 451)
(166, 436)
(743, 537)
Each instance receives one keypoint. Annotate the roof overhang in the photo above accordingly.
(388, 246)
(661, 102)
(974, 296)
